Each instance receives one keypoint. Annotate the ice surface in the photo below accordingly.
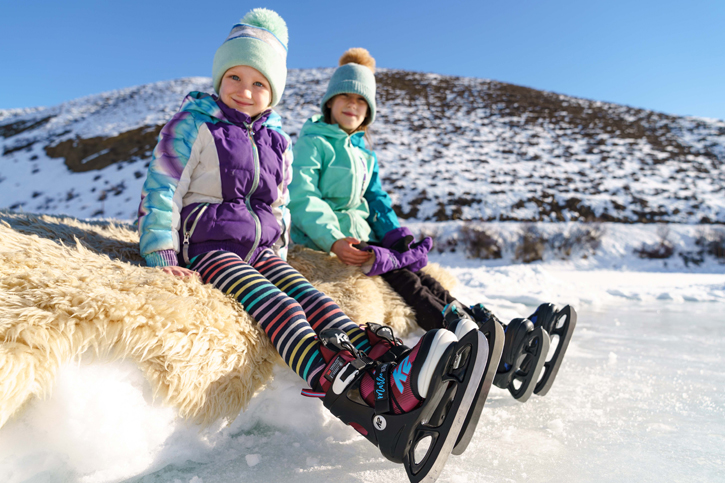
(639, 398)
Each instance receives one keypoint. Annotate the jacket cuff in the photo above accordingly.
(329, 240)
(162, 258)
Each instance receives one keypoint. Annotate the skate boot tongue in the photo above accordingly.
(336, 340)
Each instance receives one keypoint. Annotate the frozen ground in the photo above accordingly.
(639, 398)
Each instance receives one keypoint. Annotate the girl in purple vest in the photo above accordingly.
(214, 204)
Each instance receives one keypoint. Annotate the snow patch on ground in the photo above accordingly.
(639, 398)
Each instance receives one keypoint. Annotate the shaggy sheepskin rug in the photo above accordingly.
(72, 288)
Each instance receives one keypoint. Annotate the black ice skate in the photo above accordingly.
(413, 409)
(523, 358)
(457, 320)
(559, 324)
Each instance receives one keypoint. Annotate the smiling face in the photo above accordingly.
(245, 89)
(348, 111)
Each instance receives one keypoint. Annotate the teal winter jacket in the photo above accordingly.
(335, 190)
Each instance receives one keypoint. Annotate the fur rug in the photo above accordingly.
(71, 288)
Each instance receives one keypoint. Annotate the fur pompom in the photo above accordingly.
(268, 19)
(358, 55)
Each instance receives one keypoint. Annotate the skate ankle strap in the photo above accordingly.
(394, 354)
(308, 392)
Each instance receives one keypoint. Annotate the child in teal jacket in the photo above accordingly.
(338, 205)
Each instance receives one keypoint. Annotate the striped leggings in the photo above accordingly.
(287, 307)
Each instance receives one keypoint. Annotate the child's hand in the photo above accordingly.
(180, 272)
(347, 253)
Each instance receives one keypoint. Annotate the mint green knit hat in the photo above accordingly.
(356, 75)
(259, 40)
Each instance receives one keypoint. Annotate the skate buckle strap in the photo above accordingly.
(382, 389)
(334, 368)
(345, 373)
(394, 353)
(344, 378)
(362, 361)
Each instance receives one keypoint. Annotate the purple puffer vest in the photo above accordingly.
(251, 173)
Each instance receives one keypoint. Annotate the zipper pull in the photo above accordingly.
(185, 251)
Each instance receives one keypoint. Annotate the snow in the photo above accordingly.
(639, 398)
(617, 248)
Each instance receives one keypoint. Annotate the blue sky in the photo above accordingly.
(663, 55)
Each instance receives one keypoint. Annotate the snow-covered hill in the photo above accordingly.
(449, 148)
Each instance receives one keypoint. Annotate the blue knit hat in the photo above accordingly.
(259, 41)
(356, 75)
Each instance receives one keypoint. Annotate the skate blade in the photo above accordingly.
(495, 336)
(564, 332)
(534, 364)
(427, 468)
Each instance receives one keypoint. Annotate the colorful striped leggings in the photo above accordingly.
(287, 307)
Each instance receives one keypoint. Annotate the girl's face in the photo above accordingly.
(348, 111)
(245, 89)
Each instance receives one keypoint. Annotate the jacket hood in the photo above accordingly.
(202, 103)
(316, 126)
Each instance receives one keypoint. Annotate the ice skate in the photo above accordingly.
(559, 324)
(523, 358)
(458, 321)
(412, 409)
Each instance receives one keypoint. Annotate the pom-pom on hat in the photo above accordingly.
(356, 75)
(259, 40)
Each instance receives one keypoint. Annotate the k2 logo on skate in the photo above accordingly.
(400, 374)
(379, 422)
